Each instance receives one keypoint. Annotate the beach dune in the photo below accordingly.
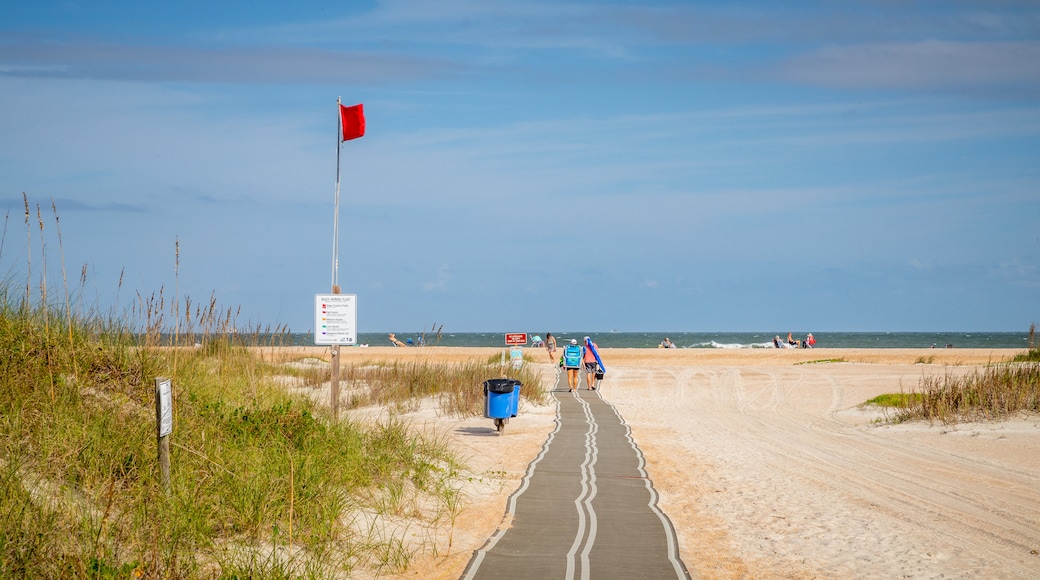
(772, 469)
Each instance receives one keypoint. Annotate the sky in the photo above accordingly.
(860, 165)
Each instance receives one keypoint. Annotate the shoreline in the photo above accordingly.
(659, 356)
(691, 340)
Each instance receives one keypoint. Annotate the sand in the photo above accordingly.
(772, 469)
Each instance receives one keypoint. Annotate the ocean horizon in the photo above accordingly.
(723, 340)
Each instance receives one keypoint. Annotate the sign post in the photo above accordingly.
(514, 340)
(164, 426)
(335, 323)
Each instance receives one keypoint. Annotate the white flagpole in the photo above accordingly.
(335, 224)
(334, 382)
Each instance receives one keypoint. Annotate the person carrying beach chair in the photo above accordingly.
(573, 354)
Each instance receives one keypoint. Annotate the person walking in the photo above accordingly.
(550, 346)
(572, 357)
(591, 364)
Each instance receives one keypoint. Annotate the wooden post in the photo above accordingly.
(334, 387)
(163, 427)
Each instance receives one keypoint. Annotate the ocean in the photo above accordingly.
(712, 339)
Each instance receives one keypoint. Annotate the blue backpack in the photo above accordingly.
(572, 356)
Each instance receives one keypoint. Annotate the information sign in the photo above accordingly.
(516, 358)
(514, 338)
(335, 319)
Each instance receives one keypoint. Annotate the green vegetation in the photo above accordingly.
(822, 361)
(263, 484)
(1033, 354)
(900, 400)
(993, 392)
(404, 385)
(1029, 356)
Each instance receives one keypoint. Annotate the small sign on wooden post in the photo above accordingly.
(164, 426)
(514, 339)
(335, 324)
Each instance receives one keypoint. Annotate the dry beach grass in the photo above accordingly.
(769, 466)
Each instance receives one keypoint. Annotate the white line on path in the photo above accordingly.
(584, 501)
(665, 523)
(511, 505)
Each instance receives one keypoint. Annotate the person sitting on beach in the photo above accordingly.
(395, 342)
(666, 343)
(791, 341)
(810, 341)
(778, 343)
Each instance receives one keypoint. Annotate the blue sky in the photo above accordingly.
(696, 166)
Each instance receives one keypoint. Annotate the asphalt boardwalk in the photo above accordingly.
(586, 507)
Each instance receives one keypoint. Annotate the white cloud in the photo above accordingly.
(919, 65)
(1015, 272)
(441, 283)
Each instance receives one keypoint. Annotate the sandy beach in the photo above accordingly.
(772, 469)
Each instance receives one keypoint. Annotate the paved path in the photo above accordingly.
(586, 508)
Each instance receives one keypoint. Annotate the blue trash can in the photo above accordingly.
(501, 400)
(515, 400)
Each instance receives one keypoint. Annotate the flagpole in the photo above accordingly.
(334, 386)
(335, 223)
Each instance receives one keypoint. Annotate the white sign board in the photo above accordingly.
(164, 407)
(516, 356)
(335, 319)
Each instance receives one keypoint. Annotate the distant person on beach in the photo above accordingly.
(777, 343)
(666, 343)
(810, 341)
(791, 340)
(591, 365)
(550, 346)
(395, 342)
(572, 356)
(536, 341)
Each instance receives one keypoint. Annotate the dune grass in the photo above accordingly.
(894, 400)
(993, 392)
(263, 484)
(457, 388)
(822, 361)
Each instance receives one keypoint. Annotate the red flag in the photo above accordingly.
(353, 121)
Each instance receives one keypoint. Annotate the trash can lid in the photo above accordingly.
(501, 385)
